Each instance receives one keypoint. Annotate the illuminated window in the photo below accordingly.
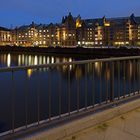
(79, 43)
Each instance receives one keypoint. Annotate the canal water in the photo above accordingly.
(27, 96)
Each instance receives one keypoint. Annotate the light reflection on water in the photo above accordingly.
(8, 60)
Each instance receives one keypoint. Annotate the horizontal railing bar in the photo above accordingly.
(17, 68)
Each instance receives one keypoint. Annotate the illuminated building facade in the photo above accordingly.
(43, 35)
(68, 31)
(109, 32)
(5, 36)
(73, 31)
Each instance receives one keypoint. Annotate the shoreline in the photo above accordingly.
(81, 52)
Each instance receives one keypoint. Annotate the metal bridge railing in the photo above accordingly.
(61, 89)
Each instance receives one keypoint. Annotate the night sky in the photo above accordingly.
(18, 12)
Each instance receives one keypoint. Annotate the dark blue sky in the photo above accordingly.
(18, 12)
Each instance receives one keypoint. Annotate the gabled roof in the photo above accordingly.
(41, 26)
(93, 22)
(118, 20)
(24, 27)
(4, 29)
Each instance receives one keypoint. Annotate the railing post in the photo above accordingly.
(69, 97)
(118, 70)
(134, 80)
(26, 102)
(129, 77)
(137, 64)
(60, 90)
(49, 92)
(124, 79)
(138, 75)
(38, 98)
(78, 93)
(106, 78)
(100, 77)
(112, 82)
(13, 103)
(86, 86)
(93, 86)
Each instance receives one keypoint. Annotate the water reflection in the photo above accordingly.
(130, 69)
(98, 67)
(29, 72)
(8, 60)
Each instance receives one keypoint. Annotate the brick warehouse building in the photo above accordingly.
(73, 31)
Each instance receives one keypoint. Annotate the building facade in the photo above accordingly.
(75, 31)
(109, 32)
(5, 36)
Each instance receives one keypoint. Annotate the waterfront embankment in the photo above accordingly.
(95, 52)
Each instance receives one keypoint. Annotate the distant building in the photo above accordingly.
(67, 31)
(75, 31)
(5, 36)
(109, 32)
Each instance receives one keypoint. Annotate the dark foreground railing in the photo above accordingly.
(34, 95)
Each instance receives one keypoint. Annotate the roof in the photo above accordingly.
(119, 20)
(137, 20)
(4, 29)
(92, 22)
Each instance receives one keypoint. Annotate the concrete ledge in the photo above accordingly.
(75, 126)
